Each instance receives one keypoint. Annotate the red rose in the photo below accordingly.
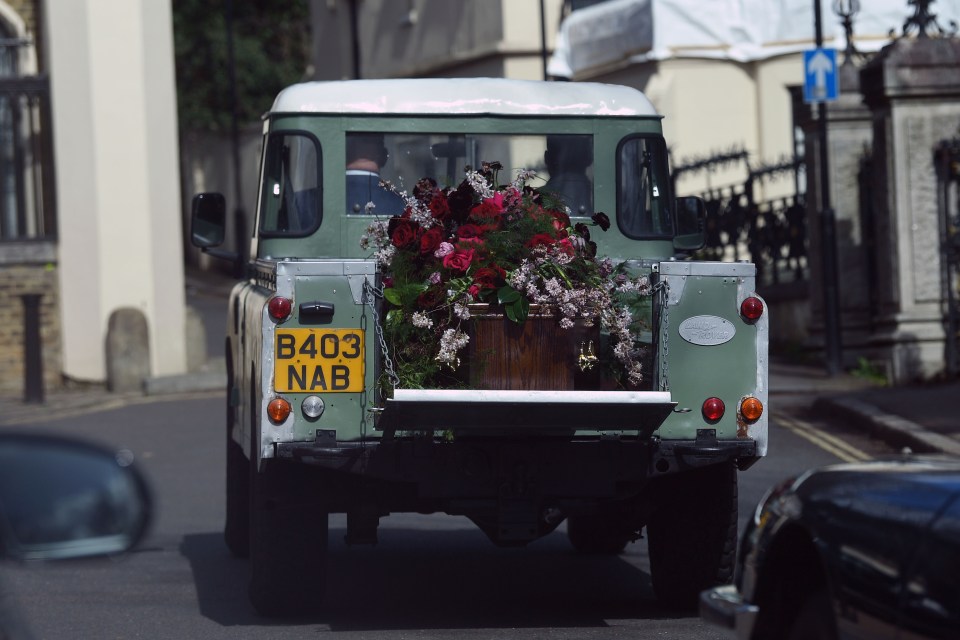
(459, 260)
(469, 231)
(566, 246)
(540, 239)
(489, 277)
(474, 291)
(487, 214)
(431, 298)
(403, 232)
(560, 219)
(439, 207)
(430, 240)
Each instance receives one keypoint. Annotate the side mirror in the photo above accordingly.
(63, 498)
(208, 220)
(691, 224)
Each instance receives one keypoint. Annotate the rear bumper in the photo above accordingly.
(725, 607)
(478, 410)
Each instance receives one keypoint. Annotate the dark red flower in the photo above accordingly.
(424, 189)
(540, 239)
(431, 298)
(439, 206)
(469, 231)
(583, 231)
(602, 220)
(461, 201)
(431, 239)
(402, 231)
(487, 214)
(489, 277)
(560, 219)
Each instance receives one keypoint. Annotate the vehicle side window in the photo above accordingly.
(643, 209)
(292, 185)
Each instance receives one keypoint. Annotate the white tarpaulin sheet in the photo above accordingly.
(740, 30)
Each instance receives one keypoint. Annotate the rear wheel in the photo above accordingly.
(692, 535)
(236, 529)
(288, 544)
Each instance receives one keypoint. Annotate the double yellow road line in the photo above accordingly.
(828, 442)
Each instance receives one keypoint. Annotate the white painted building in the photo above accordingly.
(109, 67)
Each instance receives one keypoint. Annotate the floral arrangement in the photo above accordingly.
(509, 247)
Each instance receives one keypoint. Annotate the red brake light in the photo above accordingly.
(279, 307)
(713, 409)
(751, 309)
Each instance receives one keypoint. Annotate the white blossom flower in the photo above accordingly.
(421, 320)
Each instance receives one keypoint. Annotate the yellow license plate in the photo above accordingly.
(318, 360)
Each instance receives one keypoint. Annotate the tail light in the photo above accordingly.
(278, 410)
(713, 409)
(751, 309)
(751, 409)
(279, 308)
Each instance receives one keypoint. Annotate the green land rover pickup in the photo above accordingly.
(326, 410)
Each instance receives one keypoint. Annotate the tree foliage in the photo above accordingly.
(271, 42)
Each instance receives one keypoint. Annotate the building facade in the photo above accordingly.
(90, 184)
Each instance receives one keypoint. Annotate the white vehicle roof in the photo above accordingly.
(446, 96)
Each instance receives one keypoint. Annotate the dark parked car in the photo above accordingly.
(62, 499)
(868, 550)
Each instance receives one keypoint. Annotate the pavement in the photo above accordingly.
(921, 417)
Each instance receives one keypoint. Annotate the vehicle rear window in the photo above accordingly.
(562, 165)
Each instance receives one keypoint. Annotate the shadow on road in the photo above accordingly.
(446, 579)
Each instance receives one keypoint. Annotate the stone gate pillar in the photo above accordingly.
(848, 142)
(912, 88)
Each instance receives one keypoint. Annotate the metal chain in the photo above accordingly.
(371, 292)
(663, 288)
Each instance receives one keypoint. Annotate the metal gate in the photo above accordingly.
(947, 162)
(772, 234)
(27, 202)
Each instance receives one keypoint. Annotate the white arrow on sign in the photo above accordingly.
(820, 66)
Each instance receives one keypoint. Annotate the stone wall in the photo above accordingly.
(27, 268)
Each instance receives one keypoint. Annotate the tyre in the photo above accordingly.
(601, 534)
(692, 534)
(288, 545)
(816, 619)
(236, 529)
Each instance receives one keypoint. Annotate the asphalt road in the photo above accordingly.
(429, 577)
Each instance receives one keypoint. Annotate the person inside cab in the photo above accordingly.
(567, 158)
(366, 155)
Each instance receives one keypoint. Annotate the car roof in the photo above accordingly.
(457, 96)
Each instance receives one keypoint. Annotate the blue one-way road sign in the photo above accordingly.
(821, 82)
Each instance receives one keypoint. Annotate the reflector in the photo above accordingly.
(278, 410)
(279, 307)
(713, 409)
(751, 409)
(751, 309)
